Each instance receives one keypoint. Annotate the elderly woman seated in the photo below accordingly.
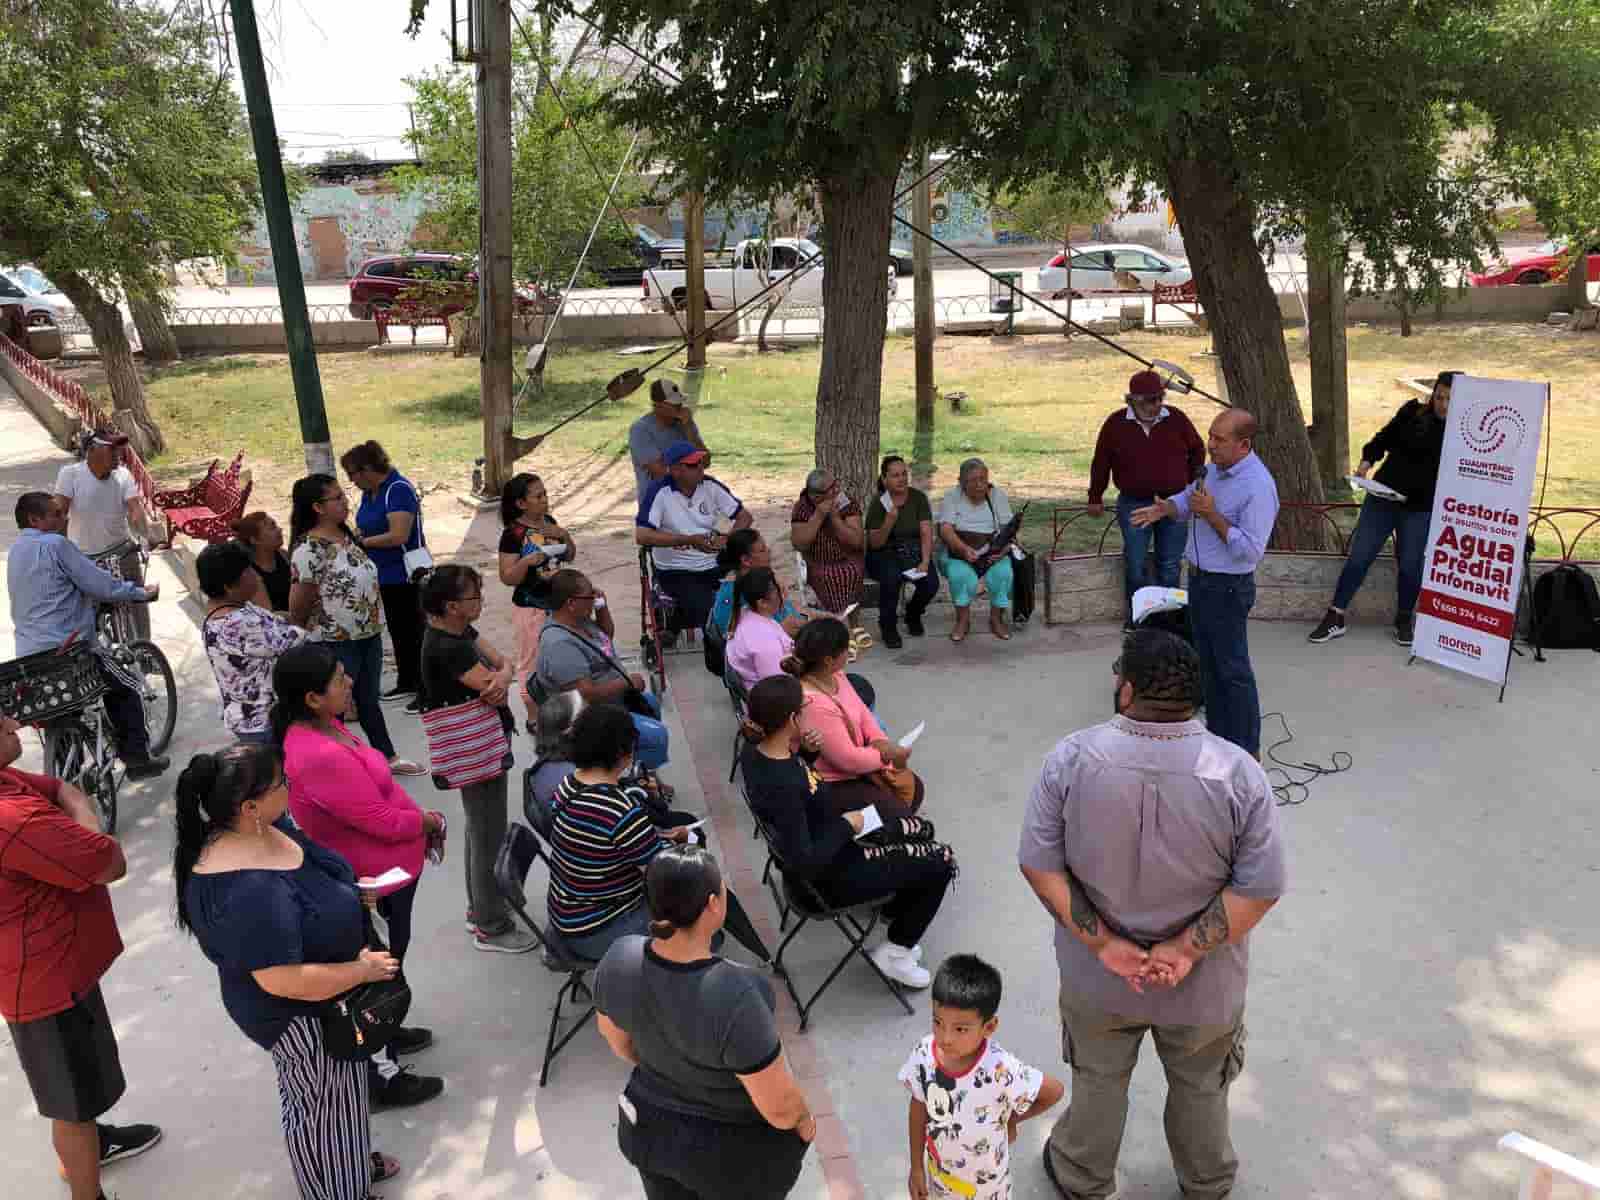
(825, 527)
(970, 515)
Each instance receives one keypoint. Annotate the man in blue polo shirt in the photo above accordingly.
(678, 519)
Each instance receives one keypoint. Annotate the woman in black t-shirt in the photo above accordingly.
(900, 860)
(1410, 447)
(711, 1110)
(526, 569)
(900, 539)
(263, 537)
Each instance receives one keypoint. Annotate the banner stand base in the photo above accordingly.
(1524, 602)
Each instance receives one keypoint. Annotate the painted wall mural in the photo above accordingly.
(337, 227)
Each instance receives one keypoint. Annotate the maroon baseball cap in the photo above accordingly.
(1145, 384)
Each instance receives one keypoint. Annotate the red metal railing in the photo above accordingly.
(74, 398)
(1585, 520)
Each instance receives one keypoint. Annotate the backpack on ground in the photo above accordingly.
(1566, 609)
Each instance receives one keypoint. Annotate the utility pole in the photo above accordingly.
(694, 249)
(922, 280)
(285, 253)
(500, 448)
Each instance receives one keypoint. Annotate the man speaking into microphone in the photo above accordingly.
(1233, 509)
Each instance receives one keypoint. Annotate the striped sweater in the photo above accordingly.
(602, 842)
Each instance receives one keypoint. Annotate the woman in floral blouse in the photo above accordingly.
(334, 593)
(242, 639)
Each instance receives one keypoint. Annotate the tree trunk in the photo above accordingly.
(1218, 222)
(1578, 277)
(116, 355)
(1402, 301)
(857, 213)
(150, 318)
(766, 319)
(1330, 385)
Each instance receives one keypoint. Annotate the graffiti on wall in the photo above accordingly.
(337, 227)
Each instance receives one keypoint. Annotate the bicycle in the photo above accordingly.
(157, 686)
(60, 691)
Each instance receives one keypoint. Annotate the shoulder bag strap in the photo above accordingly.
(416, 527)
(215, 611)
(573, 633)
(843, 716)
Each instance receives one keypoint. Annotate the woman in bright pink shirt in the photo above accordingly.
(757, 643)
(854, 746)
(344, 797)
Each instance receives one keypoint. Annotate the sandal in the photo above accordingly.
(383, 1167)
(861, 639)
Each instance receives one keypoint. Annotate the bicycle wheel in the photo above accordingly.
(158, 689)
(69, 748)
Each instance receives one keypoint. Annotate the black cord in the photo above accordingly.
(1294, 789)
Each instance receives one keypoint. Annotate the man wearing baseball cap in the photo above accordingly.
(1150, 450)
(668, 422)
(678, 519)
(104, 508)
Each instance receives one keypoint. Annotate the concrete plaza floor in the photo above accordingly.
(1431, 981)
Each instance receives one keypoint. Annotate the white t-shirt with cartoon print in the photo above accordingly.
(967, 1154)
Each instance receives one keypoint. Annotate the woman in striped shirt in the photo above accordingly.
(603, 839)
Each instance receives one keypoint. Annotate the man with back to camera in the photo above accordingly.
(54, 591)
(1155, 846)
(58, 936)
(1149, 449)
(678, 520)
(1234, 507)
(104, 508)
(668, 422)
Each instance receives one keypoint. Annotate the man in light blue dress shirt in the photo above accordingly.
(1234, 507)
(55, 591)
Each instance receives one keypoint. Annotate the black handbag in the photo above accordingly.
(358, 1023)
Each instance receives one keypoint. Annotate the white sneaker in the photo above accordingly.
(898, 964)
(916, 952)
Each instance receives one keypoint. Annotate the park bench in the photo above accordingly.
(415, 315)
(208, 507)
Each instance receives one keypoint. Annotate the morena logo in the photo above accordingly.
(1491, 427)
(1468, 649)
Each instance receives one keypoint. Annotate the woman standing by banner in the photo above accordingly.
(1409, 447)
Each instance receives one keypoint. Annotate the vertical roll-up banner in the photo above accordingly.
(1471, 574)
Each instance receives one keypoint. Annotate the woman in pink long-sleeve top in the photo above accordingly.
(854, 746)
(757, 643)
(344, 797)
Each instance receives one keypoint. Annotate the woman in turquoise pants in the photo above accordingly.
(970, 514)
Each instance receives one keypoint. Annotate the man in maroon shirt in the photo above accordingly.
(57, 937)
(1150, 450)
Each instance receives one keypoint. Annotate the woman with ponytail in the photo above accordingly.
(711, 1110)
(757, 644)
(745, 551)
(282, 920)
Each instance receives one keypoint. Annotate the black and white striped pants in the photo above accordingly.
(323, 1102)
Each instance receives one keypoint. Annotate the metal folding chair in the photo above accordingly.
(520, 850)
(801, 899)
(740, 698)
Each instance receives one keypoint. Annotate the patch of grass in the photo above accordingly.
(1034, 406)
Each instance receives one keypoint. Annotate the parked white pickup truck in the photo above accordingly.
(729, 285)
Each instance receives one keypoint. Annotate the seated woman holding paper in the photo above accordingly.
(816, 837)
(971, 515)
(900, 549)
(603, 838)
(344, 798)
(857, 757)
(1410, 446)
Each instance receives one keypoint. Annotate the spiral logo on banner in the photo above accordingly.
(1491, 427)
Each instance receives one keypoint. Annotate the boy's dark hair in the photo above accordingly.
(966, 981)
(602, 736)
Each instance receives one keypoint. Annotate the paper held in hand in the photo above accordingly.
(871, 822)
(393, 877)
(910, 739)
(913, 574)
(1372, 486)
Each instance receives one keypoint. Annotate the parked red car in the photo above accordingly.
(1544, 264)
(380, 282)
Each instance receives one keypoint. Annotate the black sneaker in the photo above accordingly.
(147, 767)
(410, 1040)
(403, 1089)
(891, 636)
(1403, 627)
(1331, 626)
(118, 1142)
(914, 624)
(397, 693)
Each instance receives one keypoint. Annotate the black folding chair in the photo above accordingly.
(741, 699)
(518, 853)
(801, 899)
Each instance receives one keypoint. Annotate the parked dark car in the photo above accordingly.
(380, 282)
(649, 249)
(900, 259)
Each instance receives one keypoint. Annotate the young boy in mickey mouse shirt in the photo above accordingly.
(967, 1094)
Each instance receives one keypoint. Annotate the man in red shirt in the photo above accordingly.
(1150, 450)
(57, 937)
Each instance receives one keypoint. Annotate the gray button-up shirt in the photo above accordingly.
(54, 590)
(1153, 820)
(1247, 497)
